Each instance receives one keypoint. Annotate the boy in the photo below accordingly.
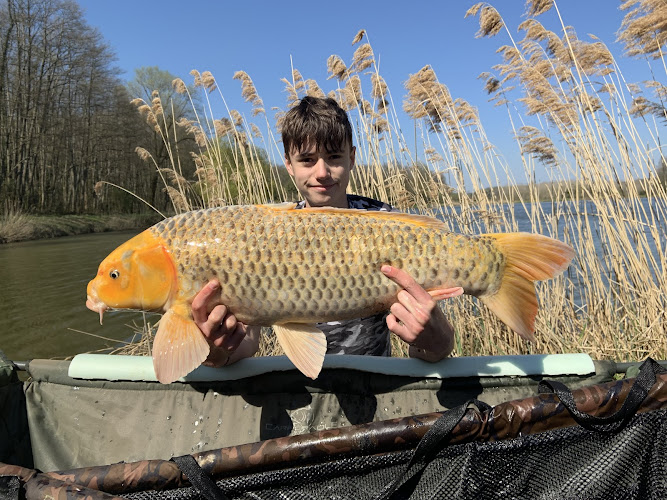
(319, 155)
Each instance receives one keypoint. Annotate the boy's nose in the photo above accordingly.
(321, 168)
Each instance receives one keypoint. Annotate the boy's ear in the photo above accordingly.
(288, 165)
(353, 151)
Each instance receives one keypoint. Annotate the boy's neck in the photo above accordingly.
(343, 203)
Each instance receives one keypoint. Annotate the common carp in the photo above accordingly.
(291, 269)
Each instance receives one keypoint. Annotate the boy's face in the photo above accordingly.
(321, 177)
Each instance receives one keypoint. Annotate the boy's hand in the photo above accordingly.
(416, 318)
(220, 327)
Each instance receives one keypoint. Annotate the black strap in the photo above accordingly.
(611, 423)
(429, 445)
(198, 478)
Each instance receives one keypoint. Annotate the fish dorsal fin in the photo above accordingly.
(179, 347)
(287, 205)
(304, 345)
(415, 219)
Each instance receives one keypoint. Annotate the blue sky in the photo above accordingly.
(262, 38)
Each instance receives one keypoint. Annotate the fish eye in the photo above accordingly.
(114, 274)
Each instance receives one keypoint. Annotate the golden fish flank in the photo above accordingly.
(293, 268)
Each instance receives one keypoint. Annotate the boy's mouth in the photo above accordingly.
(321, 188)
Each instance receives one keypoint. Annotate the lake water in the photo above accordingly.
(43, 293)
(43, 296)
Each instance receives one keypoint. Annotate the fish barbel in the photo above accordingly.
(291, 269)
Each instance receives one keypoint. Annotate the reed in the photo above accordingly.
(573, 115)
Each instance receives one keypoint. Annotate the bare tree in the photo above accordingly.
(60, 103)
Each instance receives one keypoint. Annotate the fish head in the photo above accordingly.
(139, 274)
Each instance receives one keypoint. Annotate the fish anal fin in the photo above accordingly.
(305, 346)
(179, 347)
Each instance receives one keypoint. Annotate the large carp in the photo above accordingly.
(291, 269)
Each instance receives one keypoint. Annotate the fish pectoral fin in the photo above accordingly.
(179, 347)
(445, 293)
(305, 346)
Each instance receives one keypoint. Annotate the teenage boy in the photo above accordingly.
(319, 155)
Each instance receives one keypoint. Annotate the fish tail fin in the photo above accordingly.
(529, 258)
(179, 347)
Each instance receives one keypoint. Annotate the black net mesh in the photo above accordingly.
(569, 463)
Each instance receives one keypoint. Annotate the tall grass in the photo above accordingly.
(14, 225)
(573, 115)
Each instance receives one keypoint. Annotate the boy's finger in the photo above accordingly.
(217, 316)
(445, 293)
(405, 281)
(394, 325)
(234, 339)
(419, 311)
(200, 304)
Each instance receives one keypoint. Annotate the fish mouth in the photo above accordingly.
(95, 304)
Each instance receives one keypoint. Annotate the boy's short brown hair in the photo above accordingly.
(318, 120)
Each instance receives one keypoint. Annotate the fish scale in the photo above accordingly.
(290, 269)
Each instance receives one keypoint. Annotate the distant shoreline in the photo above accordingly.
(19, 227)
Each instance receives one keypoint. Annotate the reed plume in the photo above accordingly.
(223, 127)
(359, 36)
(249, 92)
(294, 88)
(336, 68)
(571, 114)
(208, 81)
(313, 89)
(143, 153)
(363, 58)
(490, 22)
(197, 78)
(644, 28)
(535, 143)
(535, 8)
(179, 86)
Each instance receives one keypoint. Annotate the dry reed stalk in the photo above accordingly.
(611, 302)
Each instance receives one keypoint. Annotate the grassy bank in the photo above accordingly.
(21, 227)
